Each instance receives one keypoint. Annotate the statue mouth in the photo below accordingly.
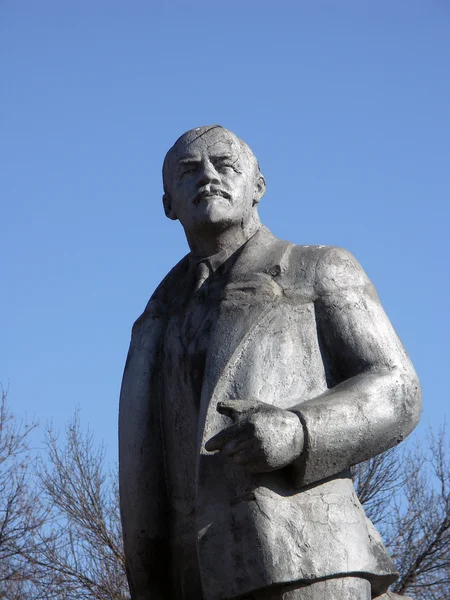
(203, 194)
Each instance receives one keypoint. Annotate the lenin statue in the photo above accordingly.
(259, 372)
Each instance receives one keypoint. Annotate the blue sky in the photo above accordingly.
(346, 105)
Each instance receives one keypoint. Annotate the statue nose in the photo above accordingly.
(208, 174)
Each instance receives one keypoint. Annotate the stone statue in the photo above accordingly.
(258, 374)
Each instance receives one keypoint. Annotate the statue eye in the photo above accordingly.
(187, 170)
(224, 166)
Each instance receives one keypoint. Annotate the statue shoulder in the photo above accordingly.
(328, 268)
(158, 300)
(337, 270)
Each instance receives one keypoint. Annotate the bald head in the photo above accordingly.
(212, 185)
(189, 137)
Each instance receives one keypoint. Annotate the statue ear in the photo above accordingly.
(167, 203)
(260, 189)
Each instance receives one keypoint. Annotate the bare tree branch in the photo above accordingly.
(406, 493)
(80, 553)
(22, 514)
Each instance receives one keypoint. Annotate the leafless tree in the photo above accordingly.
(22, 514)
(79, 552)
(406, 493)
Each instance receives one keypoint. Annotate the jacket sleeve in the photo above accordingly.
(141, 466)
(374, 398)
(142, 485)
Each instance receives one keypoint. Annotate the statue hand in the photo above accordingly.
(263, 437)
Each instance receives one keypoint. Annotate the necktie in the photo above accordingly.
(195, 310)
(201, 274)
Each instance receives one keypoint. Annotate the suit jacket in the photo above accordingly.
(299, 327)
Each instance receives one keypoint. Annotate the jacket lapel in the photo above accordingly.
(248, 296)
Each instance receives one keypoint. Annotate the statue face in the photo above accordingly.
(214, 181)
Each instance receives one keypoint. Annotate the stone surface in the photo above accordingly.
(258, 374)
(393, 596)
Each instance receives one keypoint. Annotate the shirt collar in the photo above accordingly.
(216, 260)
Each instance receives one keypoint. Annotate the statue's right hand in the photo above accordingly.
(263, 437)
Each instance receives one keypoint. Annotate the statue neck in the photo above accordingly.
(209, 243)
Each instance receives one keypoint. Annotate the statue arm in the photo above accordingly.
(374, 400)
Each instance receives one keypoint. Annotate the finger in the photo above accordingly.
(252, 461)
(247, 457)
(221, 438)
(243, 458)
(234, 408)
(233, 447)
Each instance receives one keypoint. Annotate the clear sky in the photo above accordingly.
(346, 105)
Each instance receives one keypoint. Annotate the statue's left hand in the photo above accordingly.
(263, 437)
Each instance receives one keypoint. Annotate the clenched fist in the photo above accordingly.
(262, 438)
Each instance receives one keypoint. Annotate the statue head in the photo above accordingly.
(212, 181)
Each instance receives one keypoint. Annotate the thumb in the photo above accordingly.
(235, 408)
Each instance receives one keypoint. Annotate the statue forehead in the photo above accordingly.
(211, 139)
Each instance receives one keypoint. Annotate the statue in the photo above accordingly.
(258, 374)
